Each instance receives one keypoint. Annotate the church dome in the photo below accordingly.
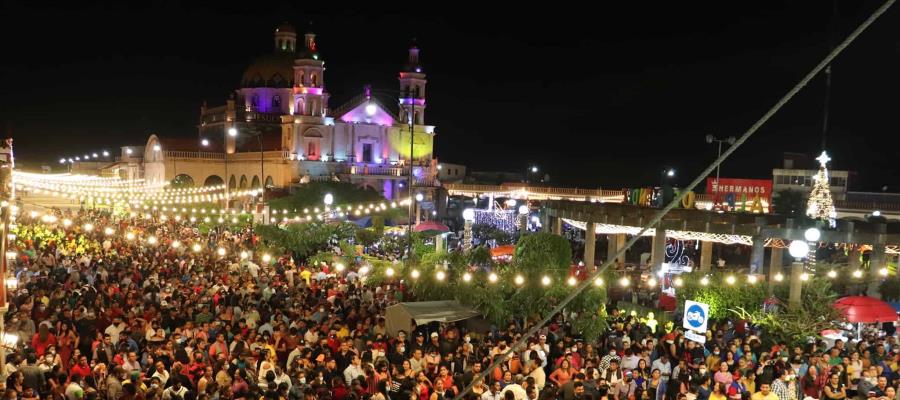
(272, 70)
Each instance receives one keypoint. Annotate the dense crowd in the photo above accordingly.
(111, 317)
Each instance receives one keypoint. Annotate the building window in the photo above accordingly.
(301, 107)
(254, 102)
(314, 80)
(367, 153)
(276, 101)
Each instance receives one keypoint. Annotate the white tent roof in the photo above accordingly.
(401, 316)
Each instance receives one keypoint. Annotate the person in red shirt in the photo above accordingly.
(81, 369)
(42, 339)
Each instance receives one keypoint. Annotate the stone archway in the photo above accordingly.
(213, 180)
(243, 182)
(255, 183)
(269, 182)
(182, 180)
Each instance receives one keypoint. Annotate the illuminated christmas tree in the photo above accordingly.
(820, 206)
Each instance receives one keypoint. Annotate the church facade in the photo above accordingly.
(277, 129)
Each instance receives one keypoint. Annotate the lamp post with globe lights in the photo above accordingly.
(523, 219)
(798, 249)
(812, 236)
(468, 217)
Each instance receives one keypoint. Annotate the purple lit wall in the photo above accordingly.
(388, 189)
(359, 115)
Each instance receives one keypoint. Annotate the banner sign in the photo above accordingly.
(741, 188)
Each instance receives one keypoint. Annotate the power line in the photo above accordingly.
(677, 200)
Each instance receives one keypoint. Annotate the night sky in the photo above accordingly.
(600, 98)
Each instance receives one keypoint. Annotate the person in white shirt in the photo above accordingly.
(176, 389)
(493, 393)
(353, 371)
(114, 330)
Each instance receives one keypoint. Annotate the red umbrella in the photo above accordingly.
(431, 228)
(865, 309)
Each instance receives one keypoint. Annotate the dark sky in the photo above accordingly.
(597, 98)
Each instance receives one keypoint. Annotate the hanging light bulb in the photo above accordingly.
(467, 277)
(598, 281)
(751, 279)
(832, 274)
(414, 274)
(88, 227)
(151, 240)
(196, 247)
(389, 272)
(545, 280)
(678, 282)
(779, 277)
(730, 279)
(129, 236)
(440, 275)
(883, 272)
(804, 277)
(624, 281)
(266, 258)
(519, 280)
(492, 278)
(704, 281)
(109, 231)
(651, 282)
(221, 251)
(857, 274)
(176, 244)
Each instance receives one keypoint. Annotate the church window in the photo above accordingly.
(314, 80)
(276, 101)
(300, 79)
(254, 102)
(301, 107)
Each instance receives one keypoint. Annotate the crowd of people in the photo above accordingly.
(108, 316)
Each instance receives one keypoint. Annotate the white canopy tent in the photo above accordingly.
(406, 316)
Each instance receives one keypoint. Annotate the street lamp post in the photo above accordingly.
(710, 139)
(262, 175)
(798, 249)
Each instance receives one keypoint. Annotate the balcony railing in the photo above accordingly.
(244, 156)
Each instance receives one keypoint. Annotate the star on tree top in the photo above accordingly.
(823, 159)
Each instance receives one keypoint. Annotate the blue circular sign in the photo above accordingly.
(695, 316)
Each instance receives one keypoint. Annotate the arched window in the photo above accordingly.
(276, 101)
(213, 180)
(255, 183)
(301, 78)
(231, 183)
(415, 92)
(243, 182)
(301, 107)
(254, 102)
(269, 182)
(314, 80)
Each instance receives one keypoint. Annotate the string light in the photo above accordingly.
(804, 277)
(704, 281)
(883, 272)
(545, 280)
(467, 277)
(175, 244)
(109, 231)
(678, 282)
(598, 281)
(832, 274)
(751, 279)
(519, 280)
(389, 272)
(129, 236)
(151, 240)
(779, 277)
(492, 278)
(266, 258)
(221, 251)
(440, 275)
(651, 282)
(624, 281)
(414, 274)
(196, 247)
(857, 274)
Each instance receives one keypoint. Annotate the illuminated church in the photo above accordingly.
(277, 129)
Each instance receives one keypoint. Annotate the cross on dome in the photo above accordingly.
(823, 159)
